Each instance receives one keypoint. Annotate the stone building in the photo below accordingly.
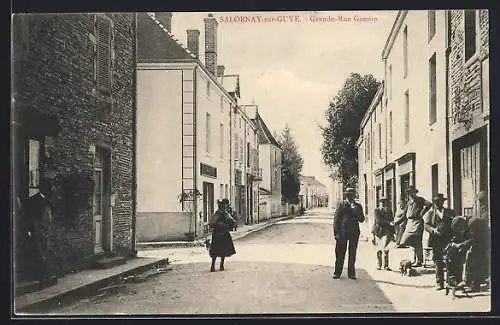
(469, 106)
(73, 134)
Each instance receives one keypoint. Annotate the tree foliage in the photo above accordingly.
(291, 166)
(344, 116)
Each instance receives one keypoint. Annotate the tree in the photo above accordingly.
(344, 116)
(291, 166)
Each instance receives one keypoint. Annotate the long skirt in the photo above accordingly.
(222, 243)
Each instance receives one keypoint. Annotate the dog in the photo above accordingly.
(207, 244)
(406, 268)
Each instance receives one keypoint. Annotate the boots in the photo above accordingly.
(379, 260)
(386, 261)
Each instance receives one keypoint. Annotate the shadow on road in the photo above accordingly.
(423, 286)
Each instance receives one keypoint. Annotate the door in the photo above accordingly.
(470, 164)
(390, 195)
(208, 202)
(101, 200)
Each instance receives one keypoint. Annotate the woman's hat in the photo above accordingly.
(439, 197)
(350, 190)
(223, 201)
(411, 189)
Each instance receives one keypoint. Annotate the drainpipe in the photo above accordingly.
(195, 162)
(447, 122)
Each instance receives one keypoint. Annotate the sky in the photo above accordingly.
(292, 69)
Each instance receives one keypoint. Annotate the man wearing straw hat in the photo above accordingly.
(346, 231)
(437, 222)
(415, 209)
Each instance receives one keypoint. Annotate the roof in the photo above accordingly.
(394, 31)
(311, 180)
(376, 99)
(265, 135)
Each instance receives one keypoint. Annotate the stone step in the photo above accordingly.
(108, 262)
(25, 287)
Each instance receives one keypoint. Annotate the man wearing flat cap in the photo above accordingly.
(437, 222)
(346, 231)
(416, 207)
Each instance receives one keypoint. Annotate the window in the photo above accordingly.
(470, 33)
(236, 147)
(407, 117)
(379, 140)
(431, 21)
(208, 133)
(368, 144)
(405, 52)
(432, 89)
(34, 147)
(434, 179)
(390, 132)
(221, 191)
(221, 142)
(226, 191)
(248, 154)
(390, 82)
(103, 55)
(208, 88)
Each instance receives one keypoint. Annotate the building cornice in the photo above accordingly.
(398, 22)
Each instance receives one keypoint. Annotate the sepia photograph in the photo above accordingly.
(250, 163)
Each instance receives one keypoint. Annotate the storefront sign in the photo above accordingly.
(207, 170)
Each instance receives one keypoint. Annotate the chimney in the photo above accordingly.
(220, 70)
(211, 43)
(193, 41)
(165, 18)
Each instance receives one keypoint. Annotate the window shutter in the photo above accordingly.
(103, 55)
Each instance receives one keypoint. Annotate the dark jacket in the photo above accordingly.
(222, 220)
(439, 229)
(346, 219)
(382, 226)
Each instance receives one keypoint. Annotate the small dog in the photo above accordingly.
(207, 244)
(406, 268)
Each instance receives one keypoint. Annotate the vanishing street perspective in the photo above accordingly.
(260, 163)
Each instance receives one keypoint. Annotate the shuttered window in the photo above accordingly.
(103, 29)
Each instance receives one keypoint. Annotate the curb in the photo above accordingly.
(201, 242)
(82, 291)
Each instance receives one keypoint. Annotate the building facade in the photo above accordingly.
(312, 193)
(269, 171)
(73, 137)
(469, 107)
(184, 132)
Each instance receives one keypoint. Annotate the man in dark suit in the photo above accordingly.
(437, 222)
(346, 231)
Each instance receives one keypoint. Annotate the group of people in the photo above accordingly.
(460, 245)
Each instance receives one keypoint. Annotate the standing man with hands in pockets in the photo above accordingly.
(346, 221)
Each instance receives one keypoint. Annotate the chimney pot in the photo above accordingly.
(165, 18)
(193, 41)
(220, 70)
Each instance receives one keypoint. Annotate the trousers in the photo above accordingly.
(341, 246)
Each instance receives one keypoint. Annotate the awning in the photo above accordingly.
(263, 191)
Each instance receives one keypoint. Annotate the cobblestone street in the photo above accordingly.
(285, 268)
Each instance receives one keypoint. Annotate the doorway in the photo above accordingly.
(208, 202)
(405, 183)
(102, 201)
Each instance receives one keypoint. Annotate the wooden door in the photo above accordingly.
(470, 175)
(101, 201)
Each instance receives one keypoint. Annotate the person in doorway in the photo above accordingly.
(437, 222)
(415, 209)
(384, 233)
(222, 244)
(39, 210)
(346, 231)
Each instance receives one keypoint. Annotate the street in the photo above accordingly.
(285, 268)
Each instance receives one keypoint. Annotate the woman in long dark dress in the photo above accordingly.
(222, 244)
